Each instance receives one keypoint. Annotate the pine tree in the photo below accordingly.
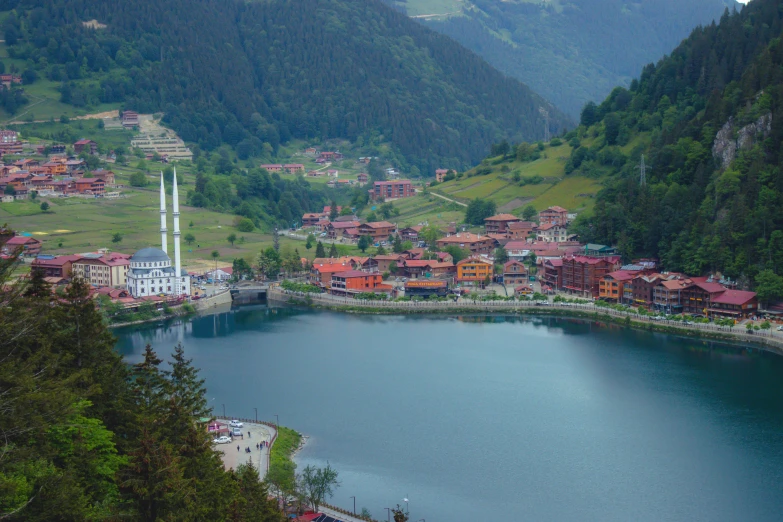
(320, 251)
(333, 251)
(153, 478)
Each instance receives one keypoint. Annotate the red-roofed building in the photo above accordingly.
(401, 188)
(499, 224)
(294, 168)
(311, 219)
(85, 145)
(415, 268)
(273, 167)
(29, 246)
(103, 270)
(696, 296)
(385, 261)
(475, 269)
(554, 216)
(356, 281)
(321, 273)
(582, 274)
(336, 229)
(611, 286)
(552, 233)
(330, 156)
(54, 266)
(410, 233)
(553, 273)
(93, 186)
(377, 230)
(514, 273)
(440, 174)
(477, 244)
(736, 304)
(521, 229)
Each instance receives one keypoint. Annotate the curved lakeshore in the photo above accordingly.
(767, 339)
(550, 415)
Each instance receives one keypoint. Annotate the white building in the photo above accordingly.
(552, 233)
(151, 272)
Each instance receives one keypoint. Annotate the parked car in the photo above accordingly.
(236, 432)
(236, 424)
(222, 440)
(780, 328)
(196, 297)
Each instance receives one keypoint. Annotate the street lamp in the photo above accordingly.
(277, 426)
(388, 514)
(256, 415)
(354, 505)
(224, 411)
(407, 511)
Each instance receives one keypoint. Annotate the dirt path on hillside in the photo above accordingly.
(448, 199)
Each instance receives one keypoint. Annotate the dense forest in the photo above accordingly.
(706, 119)
(573, 51)
(88, 437)
(257, 74)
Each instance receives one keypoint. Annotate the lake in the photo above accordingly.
(478, 418)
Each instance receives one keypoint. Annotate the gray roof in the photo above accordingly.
(168, 271)
(150, 254)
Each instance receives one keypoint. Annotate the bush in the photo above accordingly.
(300, 287)
(138, 179)
(555, 142)
(245, 225)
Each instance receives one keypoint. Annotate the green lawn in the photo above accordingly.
(84, 225)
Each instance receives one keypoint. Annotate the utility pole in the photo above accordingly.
(545, 114)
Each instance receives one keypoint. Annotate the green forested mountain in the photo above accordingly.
(255, 73)
(707, 120)
(571, 51)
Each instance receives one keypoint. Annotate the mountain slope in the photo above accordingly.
(570, 51)
(264, 72)
(707, 121)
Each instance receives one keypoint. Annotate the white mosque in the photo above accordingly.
(150, 270)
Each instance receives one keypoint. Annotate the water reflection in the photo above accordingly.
(545, 416)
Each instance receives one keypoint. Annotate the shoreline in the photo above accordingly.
(765, 341)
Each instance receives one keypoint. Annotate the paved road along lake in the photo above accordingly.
(479, 418)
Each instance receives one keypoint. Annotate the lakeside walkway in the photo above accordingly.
(771, 339)
(260, 457)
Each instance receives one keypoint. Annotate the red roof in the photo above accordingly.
(345, 224)
(419, 263)
(711, 287)
(379, 224)
(554, 262)
(502, 217)
(556, 209)
(509, 263)
(57, 261)
(734, 297)
(621, 275)
(354, 273)
(21, 240)
(331, 267)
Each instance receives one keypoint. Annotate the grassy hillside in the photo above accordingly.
(512, 184)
